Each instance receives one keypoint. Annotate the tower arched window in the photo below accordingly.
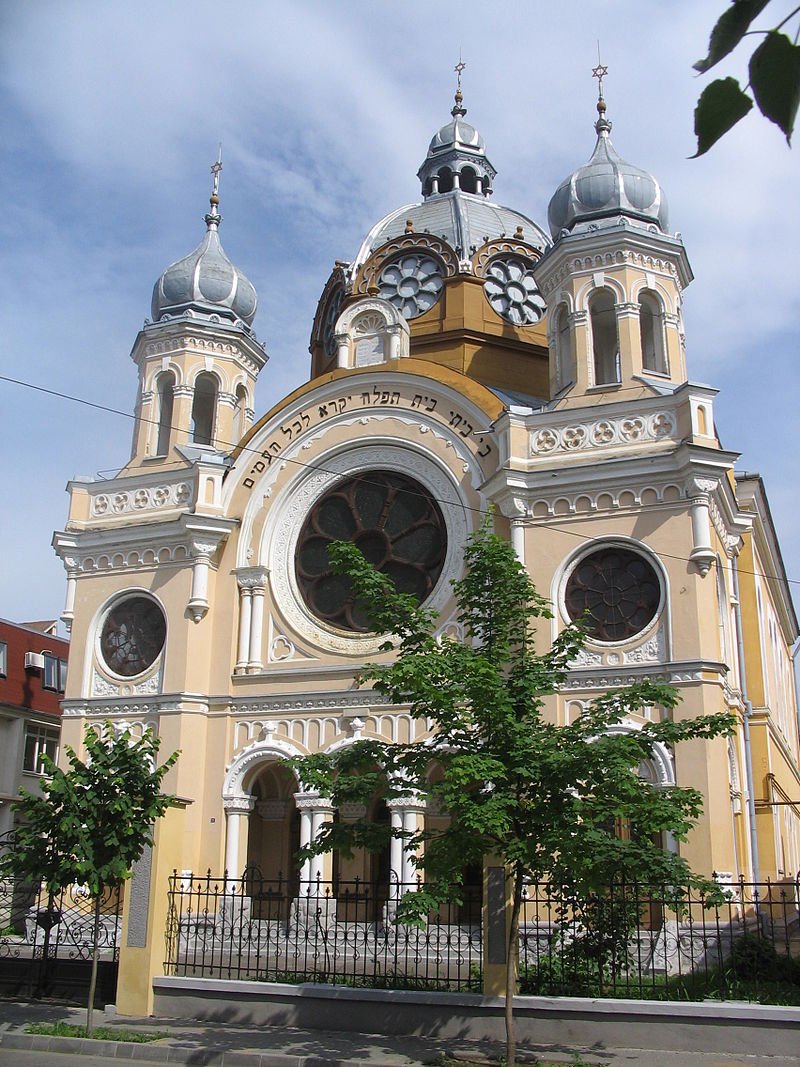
(563, 345)
(469, 180)
(239, 414)
(445, 180)
(605, 337)
(166, 403)
(203, 408)
(652, 333)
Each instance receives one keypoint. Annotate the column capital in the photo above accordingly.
(240, 805)
(252, 577)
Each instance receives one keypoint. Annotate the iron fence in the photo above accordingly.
(340, 932)
(736, 940)
(732, 940)
(47, 941)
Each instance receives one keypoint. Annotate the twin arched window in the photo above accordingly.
(652, 333)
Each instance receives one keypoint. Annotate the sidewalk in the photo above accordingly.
(219, 1044)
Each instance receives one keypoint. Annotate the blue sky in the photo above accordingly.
(111, 114)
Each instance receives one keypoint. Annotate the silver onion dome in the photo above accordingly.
(607, 187)
(205, 282)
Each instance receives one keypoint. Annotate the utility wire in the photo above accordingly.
(324, 470)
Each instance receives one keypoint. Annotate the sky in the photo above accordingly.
(110, 116)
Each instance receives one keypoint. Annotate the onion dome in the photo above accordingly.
(607, 187)
(456, 182)
(205, 282)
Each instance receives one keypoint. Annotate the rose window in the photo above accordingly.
(412, 283)
(396, 524)
(613, 593)
(512, 291)
(133, 636)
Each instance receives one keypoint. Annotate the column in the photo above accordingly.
(69, 603)
(405, 813)
(256, 630)
(198, 602)
(702, 553)
(245, 609)
(236, 810)
(315, 904)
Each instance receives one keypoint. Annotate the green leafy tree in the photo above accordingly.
(774, 71)
(91, 823)
(541, 798)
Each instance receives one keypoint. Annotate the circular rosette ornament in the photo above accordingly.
(512, 292)
(412, 283)
(396, 524)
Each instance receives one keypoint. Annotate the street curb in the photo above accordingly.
(153, 1052)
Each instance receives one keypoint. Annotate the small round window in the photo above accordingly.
(133, 636)
(614, 593)
(397, 525)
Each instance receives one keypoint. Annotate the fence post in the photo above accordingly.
(496, 923)
(145, 913)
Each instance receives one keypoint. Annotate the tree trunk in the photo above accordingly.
(95, 954)
(511, 966)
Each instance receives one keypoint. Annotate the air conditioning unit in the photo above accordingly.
(34, 661)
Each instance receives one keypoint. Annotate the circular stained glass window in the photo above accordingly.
(512, 291)
(614, 593)
(132, 636)
(397, 525)
(413, 283)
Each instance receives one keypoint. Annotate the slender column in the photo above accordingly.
(256, 629)
(198, 602)
(405, 813)
(69, 603)
(303, 803)
(245, 610)
(518, 539)
(236, 808)
(396, 849)
(321, 814)
(702, 554)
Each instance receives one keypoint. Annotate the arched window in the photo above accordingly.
(203, 405)
(605, 337)
(563, 346)
(652, 333)
(445, 180)
(166, 399)
(239, 414)
(468, 180)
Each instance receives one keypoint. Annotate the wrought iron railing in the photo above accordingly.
(734, 940)
(340, 932)
(738, 940)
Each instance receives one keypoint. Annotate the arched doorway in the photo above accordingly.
(273, 839)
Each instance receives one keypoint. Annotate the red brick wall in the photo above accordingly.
(23, 688)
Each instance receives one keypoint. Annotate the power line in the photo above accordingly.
(324, 470)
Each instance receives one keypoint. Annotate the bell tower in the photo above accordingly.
(613, 279)
(198, 357)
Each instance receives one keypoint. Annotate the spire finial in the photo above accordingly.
(459, 68)
(213, 218)
(602, 125)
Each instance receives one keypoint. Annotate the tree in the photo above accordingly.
(91, 823)
(541, 798)
(774, 71)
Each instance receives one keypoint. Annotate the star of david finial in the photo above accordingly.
(599, 72)
(216, 167)
(459, 68)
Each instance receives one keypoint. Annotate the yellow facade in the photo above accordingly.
(581, 452)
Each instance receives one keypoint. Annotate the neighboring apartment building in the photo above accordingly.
(33, 675)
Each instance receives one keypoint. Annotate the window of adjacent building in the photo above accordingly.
(652, 333)
(605, 338)
(3, 658)
(39, 741)
(166, 398)
(55, 673)
(203, 405)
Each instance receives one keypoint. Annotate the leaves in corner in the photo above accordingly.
(729, 30)
(775, 80)
(721, 105)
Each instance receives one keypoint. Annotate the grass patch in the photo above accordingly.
(101, 1033)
